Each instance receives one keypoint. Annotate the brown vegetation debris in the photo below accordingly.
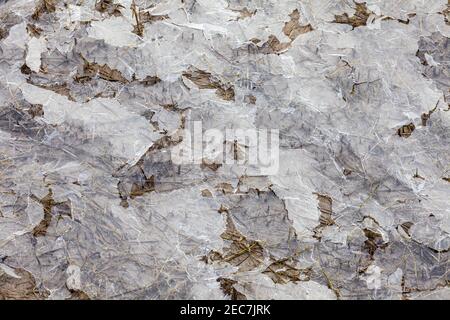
(59, 88)
(205, 80)
(373, 242)
(211, 166)
(33, 30)
(225, 188)
(282, 271)
(446, 13)
(223, 209)
(141, 187)
(139, 26)
(293, 29)
(417, 175)
(142, 17)
(44, 6)
(206, 193)
(133, 180)
(242, 253)
(92, 69)
(406, 130)
(25, 69)
(150, 81)
(250, 99)
(78, 295)
(325, 207)
(273, 46)
(358, 19)
(406, 226)
(226, 94)
(109, 7)
(211, 257)
(36, 110)
(227, 286)
(426, 115)
(347, 172)
(147, 17)
(23, 288)
(410, 15)
(50, 207)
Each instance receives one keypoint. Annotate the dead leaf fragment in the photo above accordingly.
(211, 166)
(283, 271)
(406, 226)
(223, 209)
(33, 30)
(273, 45)
(50, 207)
(150, 81)
(109, 7)
(78, 295)
(242, 253)
(225, 188)
(206, 193)
(25, 69)
(325, 207)
(374, 241)
(326, 210)
(227, 286)
(446, 14)
(141, 17)
(226, 94)
(406, 130)
(36, 110)
(250, 99)
(205, 80)
(358, 19)
(92, 70)
(146, 185)
(147, 17)
(44, 6)
(59, 88)
(293, 29)
(23, 288)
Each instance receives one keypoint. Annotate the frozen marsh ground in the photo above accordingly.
(96, 97)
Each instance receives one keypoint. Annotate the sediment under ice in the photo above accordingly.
(95, 94)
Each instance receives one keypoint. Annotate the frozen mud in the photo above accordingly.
(95, 95)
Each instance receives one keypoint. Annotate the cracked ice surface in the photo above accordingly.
(94, 96)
